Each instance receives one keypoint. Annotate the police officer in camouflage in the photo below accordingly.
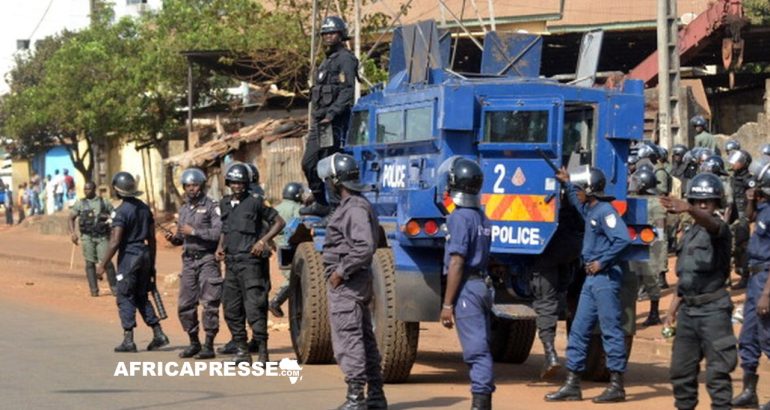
(740, 161)
(288, 209)
(93, 213)
(352, 236)
(703, 138)
(701, 305)
(133, 238)
(332, 97)
(755, 332)
(243, 245)
(468, 297)
(198, 230)
(643, 184)
(605, 240)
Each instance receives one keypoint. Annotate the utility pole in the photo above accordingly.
(668, 74)
(357, 46)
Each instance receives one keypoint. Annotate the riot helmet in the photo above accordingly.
(632, 160)
(341, 169)
(679, 149)
(464, 182)
(732, 145)
(643, 182)
(647, 150)
(334, 24)
(698, 121)
(714, 164)
(645, 167)
(293, 191)
(237, 172)
(739, 159)
(762, 176)
(124, 185)
(591, 180)
(253, 173)
(705, 186)
(663, 152)
(194, 176)
(766, 150)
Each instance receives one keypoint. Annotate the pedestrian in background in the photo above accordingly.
(288, 209)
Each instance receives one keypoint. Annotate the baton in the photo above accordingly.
(156, 297)
(547, 160)
(72, 257)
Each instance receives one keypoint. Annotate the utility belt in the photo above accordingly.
(759, 268)
(471, 275)
(700, 300)
(196, 254)
(241, 257)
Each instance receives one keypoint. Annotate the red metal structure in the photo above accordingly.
(723, 14)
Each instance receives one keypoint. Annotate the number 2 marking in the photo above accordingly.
(499, 169)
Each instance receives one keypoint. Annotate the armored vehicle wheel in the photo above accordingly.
(396, 340)
(512, 339)
(308, 314)
(596, 362)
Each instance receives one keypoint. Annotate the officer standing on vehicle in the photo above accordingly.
(133, 234)
(755, 332)
(606, 237)
(332, 97)
(468, 296)
(643, 184)
(288, 209)
(739, 162)
(701, 304)
(352, 236)
(703, 138)
(243, 245)
(198, 229)
(93, 213)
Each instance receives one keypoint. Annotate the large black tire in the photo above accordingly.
(512, 339)
(309, 325)
(396, 340)
(596, 362)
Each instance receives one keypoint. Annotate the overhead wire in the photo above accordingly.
(39, 22)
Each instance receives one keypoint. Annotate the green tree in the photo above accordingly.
(758, 11)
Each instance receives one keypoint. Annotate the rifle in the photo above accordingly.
(156, 296)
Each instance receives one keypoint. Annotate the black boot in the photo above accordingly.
(275, 304)
(765, 406)
(614, 392)
(262, 355)
(193, 349)
(742, 283)
(481, 401)
(315, 209)
(375, 396)
(91, 276)
(159, 339)
(748, 399)
(662, 282)
(207, 352)
(128, 344)
(354, 399)
(253, 345)
(654, 317)
(241, 354)
(570, 391)
(551, 365)
(229, 348)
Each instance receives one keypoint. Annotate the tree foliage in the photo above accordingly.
(758, 11)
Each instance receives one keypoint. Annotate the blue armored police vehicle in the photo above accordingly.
(518, 126)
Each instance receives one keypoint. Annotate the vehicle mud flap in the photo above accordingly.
(513, 332)
(308, 309)
(396, 340)
(596, 365)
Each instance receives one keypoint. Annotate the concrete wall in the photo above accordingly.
(732, 109)
(753, 134)
(148, 170)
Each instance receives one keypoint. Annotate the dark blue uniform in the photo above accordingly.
(135, 266)
(755, 333)
(469, 237)
(605, 239)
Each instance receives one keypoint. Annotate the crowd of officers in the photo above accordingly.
(707, 230)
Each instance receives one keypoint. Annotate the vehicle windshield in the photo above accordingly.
(517, 127)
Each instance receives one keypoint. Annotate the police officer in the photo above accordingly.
(755, 332)
(133, 234)
(644, 185)
(468, 296)
(606, 237)
(288, 209)
(93, 214)
(243, 245)
(331, 100)
(739, 162)
(198, 229)
(352, 235)
(731, 146)
(703, 138)
(766, 150)
(701, 303)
